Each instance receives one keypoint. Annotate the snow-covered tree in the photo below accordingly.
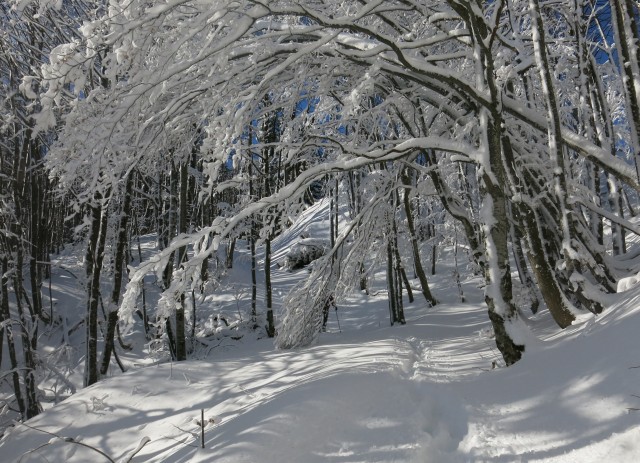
(484, 84)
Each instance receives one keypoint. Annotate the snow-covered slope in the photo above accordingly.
(433, 390)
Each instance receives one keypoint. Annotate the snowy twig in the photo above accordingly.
(127, 458)
(69, 440)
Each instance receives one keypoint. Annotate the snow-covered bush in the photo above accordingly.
(304, 252)
(301, 320)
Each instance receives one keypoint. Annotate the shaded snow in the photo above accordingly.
(368, 392)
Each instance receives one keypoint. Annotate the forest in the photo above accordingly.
(509, 126)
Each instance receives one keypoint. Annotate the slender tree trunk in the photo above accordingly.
(230, 251)
(29, 335)
(181, 347)
(417, 261)
(35, 235)
(93, 263)
(572, 266)
(271, 328)
(396, 254)
(11, 347)
(271, 137)
(252, 240)
(119, 257)
(332, 236)
(145, 317)
(521, 264)
(391, 285)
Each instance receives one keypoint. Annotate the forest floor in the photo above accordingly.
(433, 390)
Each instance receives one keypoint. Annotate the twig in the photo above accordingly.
(69, 440)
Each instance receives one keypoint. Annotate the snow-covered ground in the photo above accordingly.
(433, 390)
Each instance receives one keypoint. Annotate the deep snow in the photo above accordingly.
(424, 392)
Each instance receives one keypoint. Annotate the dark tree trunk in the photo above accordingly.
(93, 259)
(11, 346)
(118, 259)
(271, 328)
(417, 261)
(230, 251)
(181, 346)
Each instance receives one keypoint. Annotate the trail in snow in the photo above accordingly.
(424, 392)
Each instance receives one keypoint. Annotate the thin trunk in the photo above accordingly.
(181, 346)
(521, 264)
(391, 286)
(94, 257)
(36, 244)
(29, 338)
(417, 261)
(271, 329)
(121, 243)
(542, 264)
(252, 241)
(267, 156)
(230, 251)
(332, 237)
(144, 316)
(11, 347)
(398, 261)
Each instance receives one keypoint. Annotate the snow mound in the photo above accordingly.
(304, 252)
(625, 284)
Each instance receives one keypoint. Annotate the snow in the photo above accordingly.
(370, 395)
(434, 390)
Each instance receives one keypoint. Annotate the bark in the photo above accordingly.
(391, 285)
(29, 338)
(521, 262)
(417, 261)
(181, 346)
(252, 240)
(394, 275)
(37, 244)
(93, 266)
(492, 182)
(230, 251)
(271, 136)
(118, 259)
(271, 328)
(396, 255)
(144, 316)
(11, 347)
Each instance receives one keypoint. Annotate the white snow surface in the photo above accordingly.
(368, 392)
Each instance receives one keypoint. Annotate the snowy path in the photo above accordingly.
(424, 392)
(418, 393)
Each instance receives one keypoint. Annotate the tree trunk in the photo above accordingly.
(417, 261)
(118, 260)
(93, 263)
(11, 347)
(271, 328)
(181, 346)
(492, 182)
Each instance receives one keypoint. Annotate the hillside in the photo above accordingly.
(434, 390)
